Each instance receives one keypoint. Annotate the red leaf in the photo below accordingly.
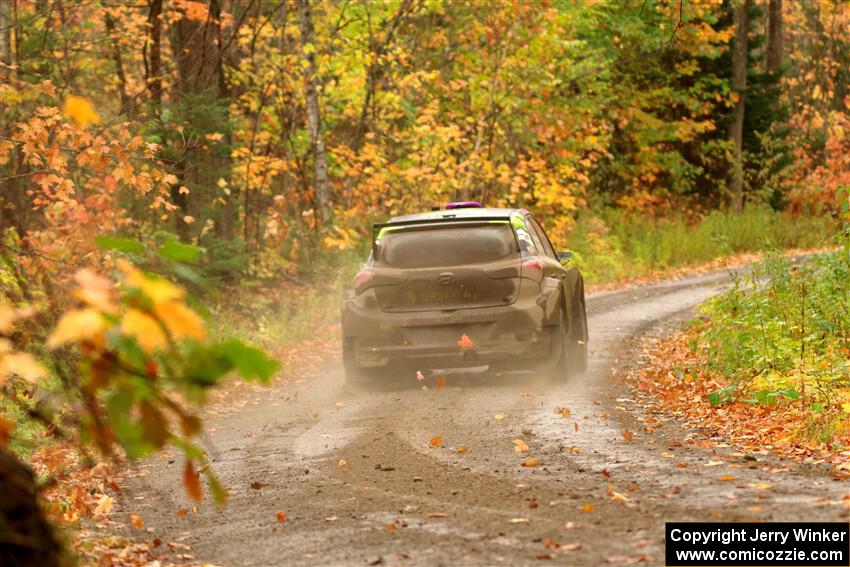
(191, 482)
(281, 517)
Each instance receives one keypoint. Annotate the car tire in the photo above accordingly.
(560, 340)
(358, 377)
(576, 346)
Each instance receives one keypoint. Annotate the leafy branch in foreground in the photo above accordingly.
(132, 358)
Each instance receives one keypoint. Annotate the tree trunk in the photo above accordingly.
(774, 35)
(739, 85)
(25, 535)
(5, 37)
(154, 75)
(119, 66)
(314, 119)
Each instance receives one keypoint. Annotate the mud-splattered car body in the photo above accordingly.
(464, 288)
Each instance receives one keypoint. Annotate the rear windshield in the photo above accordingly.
(447, 246)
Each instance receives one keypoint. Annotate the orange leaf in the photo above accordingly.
(440, 383)
(182, 512)
(628, 436)
(257, 485)
(191, 482)
(281, 517)
(137, 521)
(465, 342)
(436, 441)
(531, 462)
(587, 508)
(520, 446)
(462, 450)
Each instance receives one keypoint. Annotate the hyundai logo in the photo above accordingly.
(446, 278)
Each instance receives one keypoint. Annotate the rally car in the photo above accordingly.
(464, 288)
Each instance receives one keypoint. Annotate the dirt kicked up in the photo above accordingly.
(480, 472)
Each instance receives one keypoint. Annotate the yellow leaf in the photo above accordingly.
(94, 290)
(77, 325)
(21, 363)
(156, 288)
(520, 446)
(846, 407)
(80, 110)
(619, 497)
(530, 462)
(104, 505)
(180, 320)
(144, 328)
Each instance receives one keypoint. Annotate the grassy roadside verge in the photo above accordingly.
(767, 364)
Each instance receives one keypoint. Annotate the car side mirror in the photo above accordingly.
(565, 256)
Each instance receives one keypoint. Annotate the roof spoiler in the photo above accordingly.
(377, 228)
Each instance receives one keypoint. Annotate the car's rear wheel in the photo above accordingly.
(359, 377)
(571, 340)
(576, 346)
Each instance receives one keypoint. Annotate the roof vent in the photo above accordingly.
(464, 205)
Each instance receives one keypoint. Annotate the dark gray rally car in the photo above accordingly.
(463, 288)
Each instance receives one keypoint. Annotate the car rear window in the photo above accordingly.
(447, 246)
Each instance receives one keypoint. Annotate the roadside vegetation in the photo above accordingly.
(782, 335)
(767, 363)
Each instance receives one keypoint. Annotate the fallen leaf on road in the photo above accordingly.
(587, 508)
(104, 505)
(606, 473)
(518, 520)
(499, 416)
(331, 519)
(619, 497)
(570, 525)
(760, 485)
(462, 450)
(627, 560)
(465, 342)
(564, 411)
(520, 446)
(437, 515)
(391, 526)
(440, 383)
(257, 485)
(727, 477)
(436, 441)
(340, 405)
(342, 463)
(575, 425)
(713, 463)
(280, 517)
(628, 436)
(575, 450)
(137, 521)
(191, 483)
(530, 462)
(182, 512)
(419, 375)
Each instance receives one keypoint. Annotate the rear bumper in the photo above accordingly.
(505, 338)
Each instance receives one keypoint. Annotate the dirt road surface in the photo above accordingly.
(360, 483)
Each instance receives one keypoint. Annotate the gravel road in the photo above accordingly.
(360, 483)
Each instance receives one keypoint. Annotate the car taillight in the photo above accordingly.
(533, 269)
(362, 281)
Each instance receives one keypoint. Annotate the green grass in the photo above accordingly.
(783, 332)
(616, 245)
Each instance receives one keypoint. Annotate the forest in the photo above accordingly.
(186, 185)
